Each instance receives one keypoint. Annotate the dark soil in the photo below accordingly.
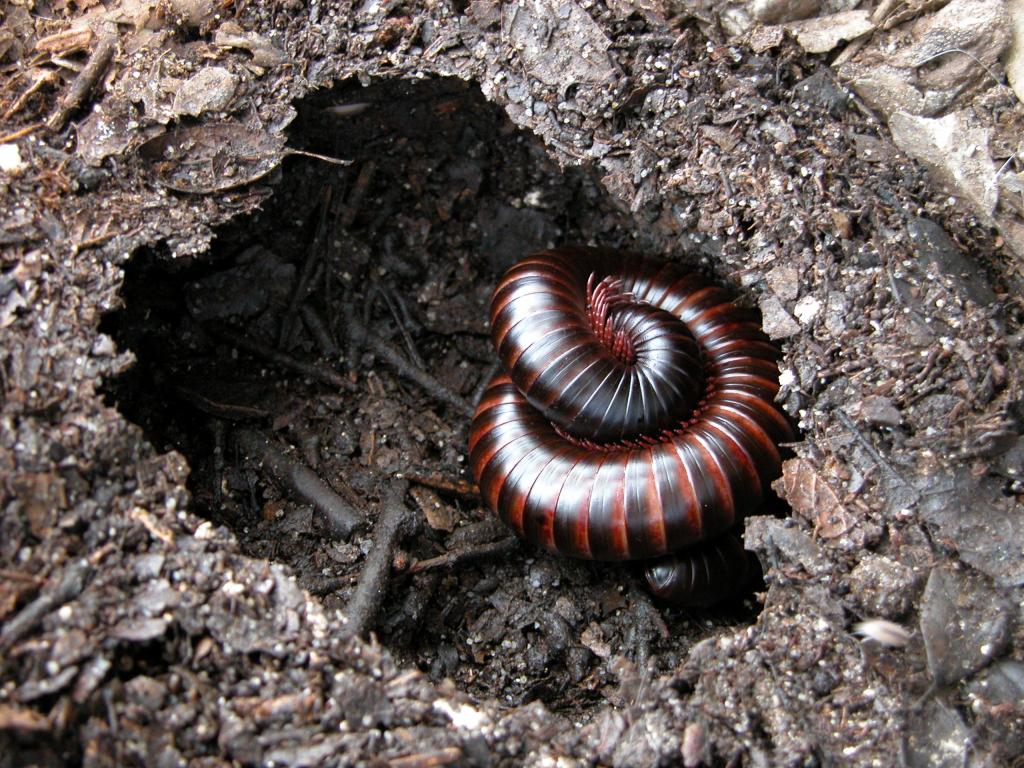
(170, 599)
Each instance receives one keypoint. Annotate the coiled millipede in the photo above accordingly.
(635, 419)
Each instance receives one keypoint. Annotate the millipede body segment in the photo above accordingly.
(635, 417)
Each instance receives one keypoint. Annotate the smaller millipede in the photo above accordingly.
(635, 418)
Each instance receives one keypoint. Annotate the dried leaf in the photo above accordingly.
(813, 499)
(439, 516)
(204, 159)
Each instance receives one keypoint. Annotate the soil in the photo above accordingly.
(234, 324)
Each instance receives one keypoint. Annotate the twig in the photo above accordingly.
(302, 285)
(80, 89)
(315, 371)
(316, 156)
(394, 518)
(319, 330)
(428, 383)
(485, 380)
(339, 516)
(217, 431)
(355, 196)
(47, 78)
(871, 450)
(20, 133)
(446, 756)
(457, 486)
(409, 345)
(969, 55)
(71, 585)
(354, 330)
(220, 410)
(403, 368)
(467, 554)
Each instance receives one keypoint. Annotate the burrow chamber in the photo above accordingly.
(343, 327)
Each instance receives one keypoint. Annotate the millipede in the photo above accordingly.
(635, 417)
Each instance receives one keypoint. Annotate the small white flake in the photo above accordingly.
(807, 309)
(10, 158)
(881, 631)
(463, 716)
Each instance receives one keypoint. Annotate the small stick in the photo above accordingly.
(319, 330)
(217, 430)
(219, 410)
(403, 368)
(428, 383)
(45, 79)
(871, 450)
(478, 393)
(392, 523)
(326, 585)
(321, 373)
(71, 585)
(20, 133)
(409, 345)
(306, 274)
(468, 554)
(446, 756)
(355, 196)
(457, 486)
(80, 89)
(340, 517)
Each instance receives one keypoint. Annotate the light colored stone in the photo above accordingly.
(955, 151)
(1014, 59)
(824, 33)
(209, 90)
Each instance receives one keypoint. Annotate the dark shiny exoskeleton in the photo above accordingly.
(635, 418)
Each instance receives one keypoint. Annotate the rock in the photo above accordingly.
(511, 233)
(822, 34)
(937, 737)
(784, 280)
(981, 28)
(209, 90)
(996, 697)
(821, 90)
(559, 43)
(11, 161)
(783, 133)
(956, 151)
(242, 291)
(778, 11)
(882, 587)
(884, 88)
(784, 539)
(975, 516)
(140, 630)
(807, 309)
(837, 309)
(964, 623)
(931, 243)
(1011, 463)
(777, 322)
(1014, 59)
(880, 411)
